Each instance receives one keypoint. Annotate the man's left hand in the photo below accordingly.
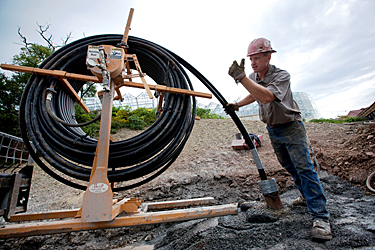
(234, 106)
(237, 71)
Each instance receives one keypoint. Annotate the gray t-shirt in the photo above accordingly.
(283, 109)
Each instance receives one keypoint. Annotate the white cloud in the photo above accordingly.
(358, 93)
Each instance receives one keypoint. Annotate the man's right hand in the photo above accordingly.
(237, 71)
(234, 106)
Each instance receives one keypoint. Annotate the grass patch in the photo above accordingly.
(340, 120)
(122, 117)
(206, 114)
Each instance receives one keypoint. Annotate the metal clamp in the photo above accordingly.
(268, 186)
(102, 65)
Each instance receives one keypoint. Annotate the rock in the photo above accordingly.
(240, 202)
(260, 218)
(245, 206)
(371, 228)
(149, 237)
(371, 154)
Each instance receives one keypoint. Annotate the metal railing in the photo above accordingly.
(12, 150)
(15, 176)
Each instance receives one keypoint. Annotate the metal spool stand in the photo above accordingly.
(110, 65)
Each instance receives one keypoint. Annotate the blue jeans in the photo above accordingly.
(289, 142)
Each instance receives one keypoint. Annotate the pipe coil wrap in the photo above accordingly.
(69, 153)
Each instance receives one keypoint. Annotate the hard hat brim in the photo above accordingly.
(271, 51)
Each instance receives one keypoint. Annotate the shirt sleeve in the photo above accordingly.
(279, 84)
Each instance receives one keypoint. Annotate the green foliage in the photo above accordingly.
(88, 90)
(32, 55)
(122, 117)
(11, 88)
(81, 116)
(10, 95)
(355, 119)
(145, 114)
(340, 120)
(206, 114)
(139, 118)
(136, 122)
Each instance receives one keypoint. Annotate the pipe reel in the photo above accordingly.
(69, 152)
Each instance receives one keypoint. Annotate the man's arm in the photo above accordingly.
(236, 106)
(257, 92)
(246, 101)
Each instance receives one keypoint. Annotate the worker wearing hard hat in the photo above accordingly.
(270, 87)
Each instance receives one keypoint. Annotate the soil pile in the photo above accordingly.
(208, 166)
(353, 158)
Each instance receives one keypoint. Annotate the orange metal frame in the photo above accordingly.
(98, 208)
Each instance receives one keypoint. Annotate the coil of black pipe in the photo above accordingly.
(68, 152)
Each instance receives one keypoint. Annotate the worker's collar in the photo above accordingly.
(268, 77)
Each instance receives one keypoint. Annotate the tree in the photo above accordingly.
(11, 88)
(88, 90)
(10, 95)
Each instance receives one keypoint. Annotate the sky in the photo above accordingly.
(327, 46)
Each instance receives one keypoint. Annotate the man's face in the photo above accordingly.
(260, 62)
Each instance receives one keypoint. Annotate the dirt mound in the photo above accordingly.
(354, 157)
(208, 166)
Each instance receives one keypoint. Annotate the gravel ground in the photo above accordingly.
(208, 166)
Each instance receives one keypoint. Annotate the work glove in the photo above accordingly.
(237, 71)
(256, 138)
(233, 105)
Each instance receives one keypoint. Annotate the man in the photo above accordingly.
(270, 87)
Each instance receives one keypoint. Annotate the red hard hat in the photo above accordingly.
(260, 45)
